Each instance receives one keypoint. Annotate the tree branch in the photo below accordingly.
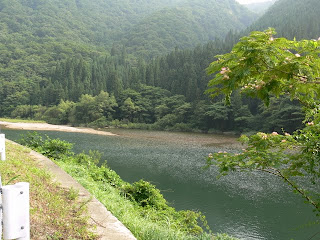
(270, 172)
(278, 173)
(314, 235)
(301, 78)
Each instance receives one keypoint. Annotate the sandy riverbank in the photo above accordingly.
(51, 127)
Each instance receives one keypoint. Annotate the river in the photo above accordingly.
(250, 206)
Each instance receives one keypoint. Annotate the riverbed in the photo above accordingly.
(246, 205)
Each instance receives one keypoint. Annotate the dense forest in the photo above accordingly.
(291, 19)
(71, 63)
(186, 24)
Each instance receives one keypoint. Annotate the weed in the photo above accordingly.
(73, 194)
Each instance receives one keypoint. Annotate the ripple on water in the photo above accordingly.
(247, 205)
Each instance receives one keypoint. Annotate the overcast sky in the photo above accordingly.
(251, 1)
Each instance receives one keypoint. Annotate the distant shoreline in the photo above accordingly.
(51, 127)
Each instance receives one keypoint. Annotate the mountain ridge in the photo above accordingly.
(259, 7)
(291, 19)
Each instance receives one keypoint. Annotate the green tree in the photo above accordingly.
(59, 114)
(263, 66)
(129, 109)
(106, 104)
(219, 115)
(85, 111)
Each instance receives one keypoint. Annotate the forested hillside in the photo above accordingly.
(292, 18)
(36, 35)
(185, 24)
(55, 67)
(165, 93)
(96, 22)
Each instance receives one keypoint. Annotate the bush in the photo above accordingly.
(99, 123)
(32, 140)
(106, 175)
(168, 120)
(56, 148)
(53, 115)
(28, 112)
(145, 194)
(52, 148)
(86, 160)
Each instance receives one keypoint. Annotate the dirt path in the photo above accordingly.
(51, 127)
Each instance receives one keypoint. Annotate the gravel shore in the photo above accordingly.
(51, 127)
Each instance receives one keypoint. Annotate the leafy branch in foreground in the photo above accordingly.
(262, 66)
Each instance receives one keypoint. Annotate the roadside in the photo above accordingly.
(107, 227)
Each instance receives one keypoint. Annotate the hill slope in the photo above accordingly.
(259, 7)
(292, 18)
(35, 35)
(188, 23)
(102, 22)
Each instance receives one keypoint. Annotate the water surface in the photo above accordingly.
(246, 205)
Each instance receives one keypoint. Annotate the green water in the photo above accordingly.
(248, 206)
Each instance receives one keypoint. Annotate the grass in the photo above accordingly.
(20, 120)
(55, 212)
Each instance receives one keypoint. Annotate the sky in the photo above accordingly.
(251, 1)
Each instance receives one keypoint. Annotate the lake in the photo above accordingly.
(246, 205)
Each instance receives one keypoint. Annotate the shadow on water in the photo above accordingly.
(247, 205)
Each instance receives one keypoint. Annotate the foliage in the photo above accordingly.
(145, 194)
(263, 66)
(54, 148)
(180, 73)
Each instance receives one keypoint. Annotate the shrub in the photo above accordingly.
(32, 140)
(167, 121)
(99, 123)
(145, 194)
(56, 148)
(106, 175)
(52, 148)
